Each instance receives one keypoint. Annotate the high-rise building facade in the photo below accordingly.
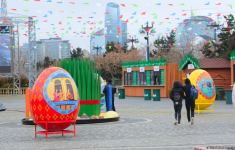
(97, 43)
(123, 36)
(112, 23)
(54, 48)
(115, 29)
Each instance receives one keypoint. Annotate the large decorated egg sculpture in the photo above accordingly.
(205, 86)
(55, 99)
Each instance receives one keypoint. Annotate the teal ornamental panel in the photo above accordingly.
(162, 77)
(134, 80)
(148, 78)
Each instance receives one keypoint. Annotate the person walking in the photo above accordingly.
(109, 96)
(177, 95)
(189, 101)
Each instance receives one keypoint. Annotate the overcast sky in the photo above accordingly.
(75, 20)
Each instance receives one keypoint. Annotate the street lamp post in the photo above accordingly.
(147, 29)
(132, 40)
(97, 48)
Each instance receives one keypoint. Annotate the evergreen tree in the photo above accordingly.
(206, 50)
(226, 43)
(171, 39)
(110, 46)
(164, 44)
(124, 47)
(161, 44)
(77, 53)
(227, 37)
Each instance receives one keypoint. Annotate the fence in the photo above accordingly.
(12, 91)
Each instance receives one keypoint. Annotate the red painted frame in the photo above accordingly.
(46, 132)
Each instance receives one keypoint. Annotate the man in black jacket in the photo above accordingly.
(109, 92)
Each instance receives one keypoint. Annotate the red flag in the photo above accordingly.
(143, 13)
(119, 29)
(123, 5)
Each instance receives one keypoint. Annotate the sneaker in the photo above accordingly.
(192, 121)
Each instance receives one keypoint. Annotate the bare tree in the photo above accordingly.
(110, 64)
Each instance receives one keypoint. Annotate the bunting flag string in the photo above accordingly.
(82, 18)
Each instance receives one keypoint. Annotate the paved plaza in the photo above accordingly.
(143, 125)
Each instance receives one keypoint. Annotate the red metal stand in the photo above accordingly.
(62, 132)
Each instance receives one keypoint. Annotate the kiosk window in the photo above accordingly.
(141, 78)
(128, 78)
(156, 78)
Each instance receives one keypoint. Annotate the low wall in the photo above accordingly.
(12, 91)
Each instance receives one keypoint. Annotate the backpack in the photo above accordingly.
(176, 97)
(193, 93)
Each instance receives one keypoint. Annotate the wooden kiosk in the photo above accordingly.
(232, 66)
(153, 74)
(218, 68)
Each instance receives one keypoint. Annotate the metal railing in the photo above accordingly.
(12, 91)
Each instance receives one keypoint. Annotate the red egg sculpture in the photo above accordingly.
(55, 99)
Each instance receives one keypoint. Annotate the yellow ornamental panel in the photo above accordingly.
(203, 82)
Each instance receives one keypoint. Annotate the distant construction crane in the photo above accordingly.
(14, 21)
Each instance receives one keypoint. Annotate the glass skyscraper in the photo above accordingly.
(115, 29)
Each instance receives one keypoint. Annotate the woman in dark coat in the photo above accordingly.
(177, 95)
(189, 102)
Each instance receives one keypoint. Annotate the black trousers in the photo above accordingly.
(178, 108)
(190, 106)
(113, 107)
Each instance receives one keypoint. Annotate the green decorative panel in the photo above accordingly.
(188, 58)
(134, 80)
(154, 62)
(232, 55)
(148, 78)
(87, 80)
(162, 77)
(89, 110)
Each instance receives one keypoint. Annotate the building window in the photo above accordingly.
(148, 77)
(125, 78)
(141, 78)
(156, 77)
(128, 78)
